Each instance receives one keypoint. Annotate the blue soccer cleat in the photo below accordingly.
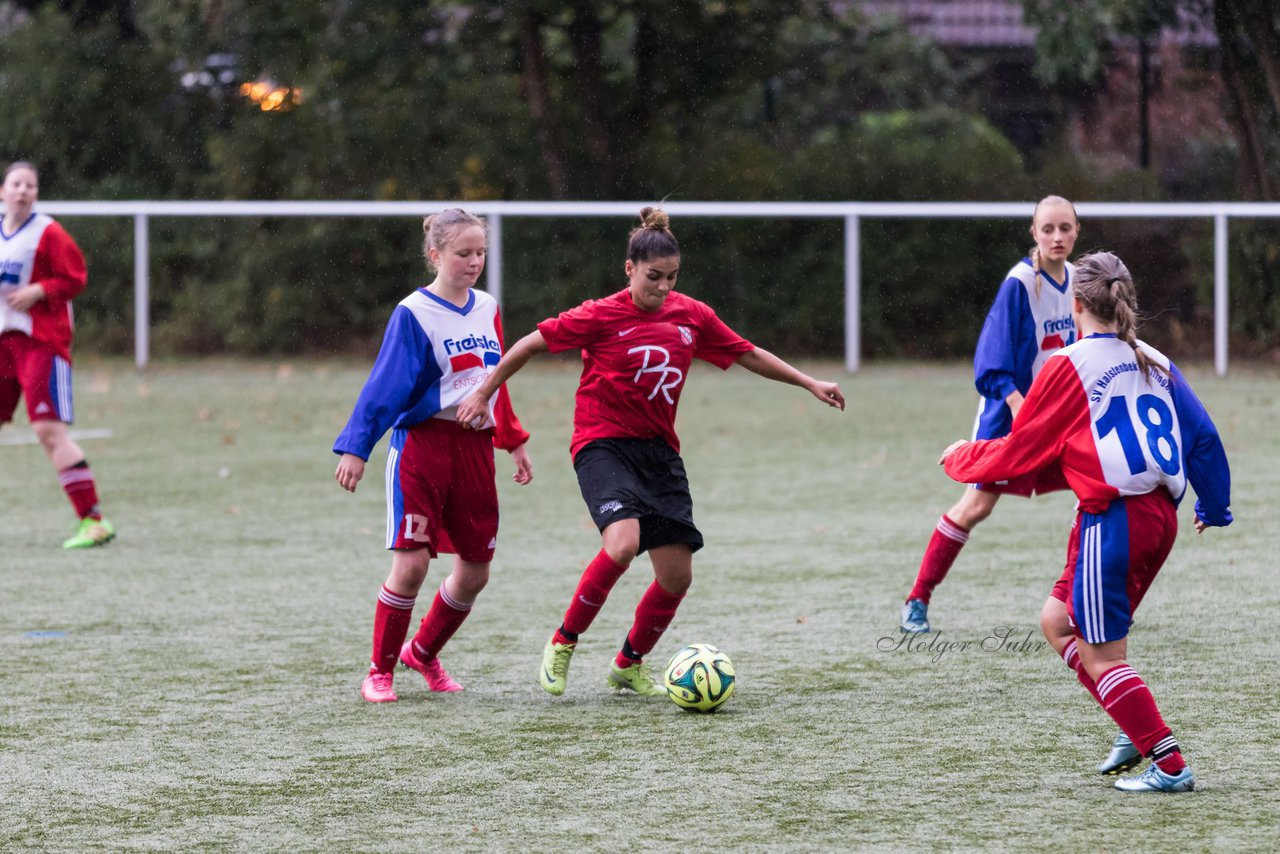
(1155, 780)
(915, 617)
(1123, 756)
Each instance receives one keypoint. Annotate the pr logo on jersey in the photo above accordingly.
(668, 377)
(685, 335)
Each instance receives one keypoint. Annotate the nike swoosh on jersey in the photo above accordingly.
(623, 333)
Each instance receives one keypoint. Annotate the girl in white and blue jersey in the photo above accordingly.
(1029, 321)
(1129, 435)
(442, 341)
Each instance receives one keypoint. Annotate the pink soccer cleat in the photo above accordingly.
(376, 688)
(432, 670)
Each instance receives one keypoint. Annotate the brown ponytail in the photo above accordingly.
(1105, 289)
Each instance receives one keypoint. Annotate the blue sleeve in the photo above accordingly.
(1203, 454)
(393, 383)
(1007, 345)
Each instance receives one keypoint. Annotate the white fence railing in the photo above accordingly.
(851, 212)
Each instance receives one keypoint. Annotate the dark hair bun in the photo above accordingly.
(655, 218)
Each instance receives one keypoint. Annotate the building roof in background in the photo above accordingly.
(1000, 23)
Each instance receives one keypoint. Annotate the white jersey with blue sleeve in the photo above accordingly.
(433, 355)
(1025, 326)
(1114, 430)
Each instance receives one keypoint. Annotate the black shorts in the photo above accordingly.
(640, 479)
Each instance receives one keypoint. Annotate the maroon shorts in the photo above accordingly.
(1050, 479)
(1112, 558)
(440, 490)
(29, 368)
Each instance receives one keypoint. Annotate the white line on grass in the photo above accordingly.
(26, 437)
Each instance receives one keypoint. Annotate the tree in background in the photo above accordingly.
(1073, 42)
(799, 99)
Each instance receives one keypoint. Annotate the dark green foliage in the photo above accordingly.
(406, 100)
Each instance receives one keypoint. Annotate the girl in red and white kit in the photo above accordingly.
(1129, 435)
(41, 270)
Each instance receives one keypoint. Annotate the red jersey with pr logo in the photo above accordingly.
(634, 363)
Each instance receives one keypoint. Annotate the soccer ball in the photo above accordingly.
(699, 678)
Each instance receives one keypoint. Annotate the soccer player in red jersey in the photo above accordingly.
(1029, 319)
(1129, 434)
(41, 270)
(441, 341)
(637, 346)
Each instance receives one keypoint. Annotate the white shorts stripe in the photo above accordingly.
(62, 378)
(393, 522)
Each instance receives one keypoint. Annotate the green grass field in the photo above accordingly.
(194, 684)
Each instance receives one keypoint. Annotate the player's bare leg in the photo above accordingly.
(57, 443)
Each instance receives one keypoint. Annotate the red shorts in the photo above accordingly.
(1050, 479)
(1112, 558)
(29, 367)
(440, 490)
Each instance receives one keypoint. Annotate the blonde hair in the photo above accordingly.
(1035, 248)
(439, 230)
(652, 238)
(1105, 289)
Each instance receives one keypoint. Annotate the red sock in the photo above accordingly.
(654, 613)
(593, 589)
(442, 620)
(390, 625)
(1072, 658)
(945, 544)
(77, 482)
(1129, 702)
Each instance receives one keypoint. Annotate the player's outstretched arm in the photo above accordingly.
(476, 406)
(350, 470)
(769, 366)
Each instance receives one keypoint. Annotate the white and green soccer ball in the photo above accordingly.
(699, 678)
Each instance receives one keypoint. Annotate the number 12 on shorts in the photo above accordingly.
(1156, 420)
(415, 528)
